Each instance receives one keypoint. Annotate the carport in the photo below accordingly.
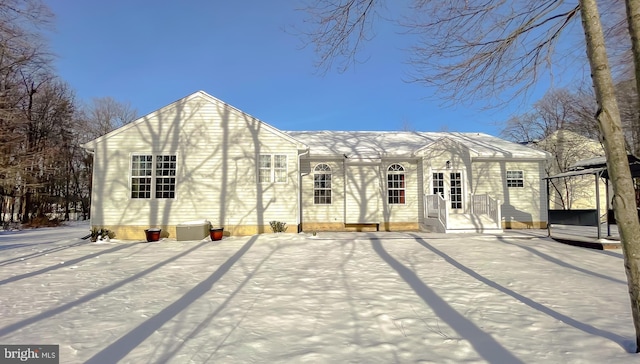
(590, 217)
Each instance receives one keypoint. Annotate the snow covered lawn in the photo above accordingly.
(334, 298)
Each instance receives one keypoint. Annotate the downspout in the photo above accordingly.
(344, 190)
(299, 217)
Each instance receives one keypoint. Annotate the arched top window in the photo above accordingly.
(395, 184)
(322, 184)
(322, 168)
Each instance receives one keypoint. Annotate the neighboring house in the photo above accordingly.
(576, 192)
(199, 158)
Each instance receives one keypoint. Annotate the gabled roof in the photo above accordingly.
(381, 144)
(195, 95)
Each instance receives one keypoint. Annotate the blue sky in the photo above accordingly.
(151, 53)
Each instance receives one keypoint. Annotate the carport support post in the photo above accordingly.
(606, 185)
(598, 204)
(548, 208)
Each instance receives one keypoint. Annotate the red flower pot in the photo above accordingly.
(216, 234)
(152, 234)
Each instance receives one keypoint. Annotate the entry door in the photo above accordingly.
(450, 184)
(455, 190)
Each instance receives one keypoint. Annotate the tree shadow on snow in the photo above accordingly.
(39, 253)
(88, 297)
(166, 357)
(561, 262)
(484, 344)
(66, 264)
(626, 344)
(125, 344)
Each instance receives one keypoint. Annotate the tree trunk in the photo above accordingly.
(608, 117)
(633, 19)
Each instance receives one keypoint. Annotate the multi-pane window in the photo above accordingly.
(165, 176)
(455, 189)
(144, 171)
(141, 172)
(265, 168)
(322, 185)
(515, 179)
(395, 184)
(438, 183)
(280, 168)
(272, 168)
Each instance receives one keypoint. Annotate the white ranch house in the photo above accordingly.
(202, 159)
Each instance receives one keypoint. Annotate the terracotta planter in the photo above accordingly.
(152, 234)
(216, 234)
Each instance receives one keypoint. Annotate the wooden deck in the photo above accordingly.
(587, 236)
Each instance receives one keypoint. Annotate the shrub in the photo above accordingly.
(101, 233)
(278, 226)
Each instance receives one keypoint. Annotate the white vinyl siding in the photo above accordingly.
(518, 204)
(217, 178)
(323, 213)
(364, 195)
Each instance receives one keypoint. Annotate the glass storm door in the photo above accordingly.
(450, 183)
(438, 183)
(455, 190)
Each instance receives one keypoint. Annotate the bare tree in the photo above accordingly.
(105, 114)
(473, 49)
(558, 109)
(627, 96)
(24, 63)
(557, 125)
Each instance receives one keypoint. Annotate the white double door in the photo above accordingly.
(450, 183)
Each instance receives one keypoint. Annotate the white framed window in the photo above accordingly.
(438, 183)
(280, 168)
(322, 185)
(515, 179)
(141, 172)
(265, 168)
(272, 168)
(395, 184)
(165, 176)
(153, 176)
(455, 189)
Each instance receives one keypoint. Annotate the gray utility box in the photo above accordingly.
(193, 230)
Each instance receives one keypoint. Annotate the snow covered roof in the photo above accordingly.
(378, 144)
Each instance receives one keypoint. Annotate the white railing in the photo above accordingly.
(486, 205)
(431, 205)
(437, 206)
